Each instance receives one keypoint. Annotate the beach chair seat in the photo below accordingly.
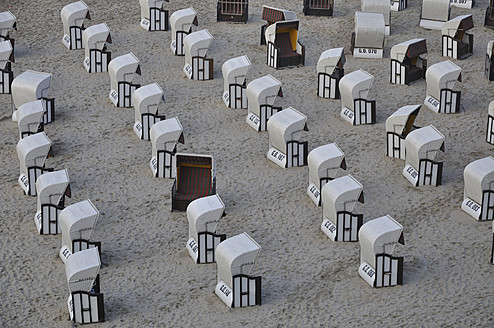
(234, 86)
(434, 14)
(232, 10)
(95, 39)
(356, 109)
(121, 70)
(456, 43)
(318, 7)
(284, 49)
(197, 65)
(30, 118)
(478, 199)
(441, 79)
(164, 137)
(261, 95)
(6, 60)
(153, 16)
(181, 24)
(368, 39)
(398, 126)
(8, 22)
(329, 73)
(73, 17)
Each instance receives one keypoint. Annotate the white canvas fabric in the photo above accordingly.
(436, 10)
(340, 194)
(451, 27)
(378, 236)
(491, 108)
(146, 99)
(286, 125)
(378, 6)
(182, 20)
(236, 255)
(165, 135)
(81, 269)
(399, 50)
(6, 53)
(442, 75)
(399, 120)
(51, 187)
(324, 161)
(122, 69)
(95, 37)
(234, 71)
(7, 23)
(30, 116)
(329, 60)
(33, 150)
(262, 91)
(148, 4)
(423, 143)
(203, 214)
(197, 44)
(369, 30)
(30, 86)
(478, 176)
(73, 14)
(77, 221)
(354, 85)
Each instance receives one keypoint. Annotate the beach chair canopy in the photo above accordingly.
(324, 161)
(286, 32)
(146, 99)
(30, 115)
(437, 10)
(33, 151)
(355, 85)
(81, 269)
(77, 222)
(204, 214)
(146, 5)
(182, 20)
(379, 236)
(479, 177)
(457, 25)
(341, 194)
(284, 126)
(51, 187)
(30, 86)
(235, 70)
(330, 60)
(423, 143)
(409, 49)
(442, 75)
(369, 30)
(262, 91)
(122, 69)
(7, 23)
(165, 135)
(236, 255)
(401, 121)
(378, 6)
(6, 53)
(197, 44)
(272, 14)
(95, 37)
(74, 14)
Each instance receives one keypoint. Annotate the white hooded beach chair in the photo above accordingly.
(6, 73)
(489, 61)
(421, 147)
(465, 4)
(340, 222)
(398, 126)
(8, 22)
(232, 10)
(490, 124)
(146, 101)
(441, 79)
(378, 239)
(329, 73)
(261, 94)
(30, 86)
(95, 38)
(235, 258)
(181, 22)
(489, 15)
(197, 65)
(203, 215)
(153, 16)
(319, 7)
(77, 222)
(234, 86)
(32, 151)
(122, 70)
(164, 138)
(73, 16)
(379, 6)
(368, 38)
(406, 64)
(457, 43)
(51, 188)
(284, 49)
(284, 130)
(478, 196)
(30, 118)
(354, 90)
(434, 14)
(324, 164)
(195, 177)
(272, 15)
(85, 302)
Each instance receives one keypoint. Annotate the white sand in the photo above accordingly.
(147, 276)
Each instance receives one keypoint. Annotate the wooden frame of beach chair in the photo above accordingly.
(234, 85)
(121, 70)
(456, 43)
(434, 13)
(421, 147)
(195, 177)
(478, 195)
(203, 215)
(235, 258)
(284, 49)
(406, 64)
(381, 7)
(51, 188)
(153, 16)
(378, 239)
(329, 73)
(354, 91)
(146, 101)
(340, 222)
(181, 24)
(95, 39)
(6, 60)
(232, 10)
(398, 5)
(489, 136)
(440, 96)
(30, 118)
(164, 137)
(73, 17)
(197, 65)
(8, 22)
(261, 95)
(368, 38)
(398, 126)
(318, 7)
(489, 61)
(324, 164)
(272, 15)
